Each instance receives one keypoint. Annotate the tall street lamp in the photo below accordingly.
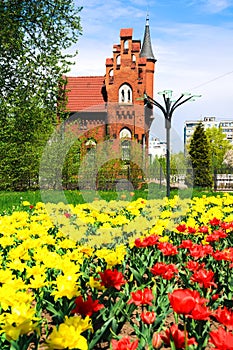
(168, 109)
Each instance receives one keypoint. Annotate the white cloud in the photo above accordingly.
(215, 6)
(210, 6)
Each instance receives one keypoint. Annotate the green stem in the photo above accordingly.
(185, 335)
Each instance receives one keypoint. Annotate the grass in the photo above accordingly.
(12, 200)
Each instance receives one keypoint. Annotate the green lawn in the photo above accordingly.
(12, 200)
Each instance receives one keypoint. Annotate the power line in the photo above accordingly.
(210, 81)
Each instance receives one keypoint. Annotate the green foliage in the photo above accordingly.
(33, 42)
(33, 38)
(219, 145)
(71, 166)
(116, 170)
(178, 163)
(200, 157)
(157, 168)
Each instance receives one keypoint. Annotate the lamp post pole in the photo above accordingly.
(167, 110)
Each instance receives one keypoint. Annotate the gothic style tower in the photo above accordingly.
(129, 74)
(107, 113)
(147, 52)
(112, 106)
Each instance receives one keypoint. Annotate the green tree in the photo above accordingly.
(219, 146)
(228, 158)
(34, 39)
(200, 157)
(157, 168)
(178, 163)
(33, 42)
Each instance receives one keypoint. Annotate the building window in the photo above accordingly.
(133, 64)
(91, 149)
(125, 94)
(126, 46)
(118, 60)
(125, 133)
(125, 136)
(125, 149)
(111, 76)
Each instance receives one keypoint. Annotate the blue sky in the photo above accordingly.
(192, 41)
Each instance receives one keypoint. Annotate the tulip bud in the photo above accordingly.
(156, 341)
(215, 297)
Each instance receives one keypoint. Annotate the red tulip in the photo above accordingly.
(215, 222)
(226, 225)
(215, 297)
(124, 344)
(225, 317)
(148, 317)
(204, 277)
(192, 229)
(86, 308)
(186, 243)
(221, 339)
(203, 229)
(222, 255)
(216, 235)
(194, 265)
(178, 337)
(182, 301)
(156, 341)
(167, 248)
(112, 278)
(200, 312)
(146, 242)
(167, 271)
(181, 227)
(197, 251)
(141, 297)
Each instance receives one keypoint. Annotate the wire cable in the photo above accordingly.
(214, 79)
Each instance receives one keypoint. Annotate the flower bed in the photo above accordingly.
(153, 274)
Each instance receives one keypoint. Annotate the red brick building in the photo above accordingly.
(112, 106)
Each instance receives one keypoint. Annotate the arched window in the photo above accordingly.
(126, 44)
(133, 58)
(125, 133)
(91, 149)
(118, 60)
(111, 75)
(125, 94)
(125, 136)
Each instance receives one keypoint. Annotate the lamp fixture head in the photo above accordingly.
(186, 93)
(166, 93)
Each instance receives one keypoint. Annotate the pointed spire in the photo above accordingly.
(146, 50)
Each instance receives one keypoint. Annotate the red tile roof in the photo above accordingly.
(85, 93)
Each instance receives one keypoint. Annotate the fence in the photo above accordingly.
(222, 178)
(223, 182)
